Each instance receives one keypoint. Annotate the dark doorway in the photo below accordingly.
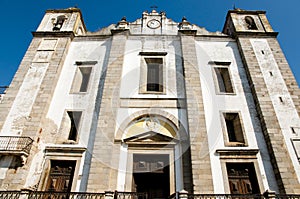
(61, 176)
(151, 175)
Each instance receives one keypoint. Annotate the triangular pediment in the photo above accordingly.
(150, 137)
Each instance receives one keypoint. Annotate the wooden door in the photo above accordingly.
(242, 178)
(61, 176)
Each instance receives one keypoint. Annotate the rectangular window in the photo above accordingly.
(223, 80)
(154, 74)
(74, 118)
(81, 79)
(61, 176)
(234, 129)
(242, 178)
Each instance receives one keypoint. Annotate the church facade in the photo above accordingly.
(152, 106)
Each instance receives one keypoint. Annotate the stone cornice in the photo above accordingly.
(239, 153)
(64, 149)
(240, 11)
(54, 34)
(255, 34)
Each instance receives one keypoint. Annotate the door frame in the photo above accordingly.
(149, 151)
(225, 176)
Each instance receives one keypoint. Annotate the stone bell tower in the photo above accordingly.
(67, 20)
(242, 22)
(32, 87)
(274, 88)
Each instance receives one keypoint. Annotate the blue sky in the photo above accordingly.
(19, 18)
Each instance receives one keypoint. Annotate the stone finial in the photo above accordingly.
(183, 194)
(123, 24)
(109, 195)
(269, 194)
(185, 24)
(154, 7)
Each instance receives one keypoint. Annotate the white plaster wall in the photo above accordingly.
(241, 102)
(64, 100)
(286, 112)
(122, 168)
(132, 63)
(130, 81)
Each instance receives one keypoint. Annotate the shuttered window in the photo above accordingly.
(154, 74)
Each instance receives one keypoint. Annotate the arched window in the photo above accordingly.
(59, 22)
(250, 23)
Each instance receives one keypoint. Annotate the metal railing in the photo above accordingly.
(49, 195)
(64, 195)
(234, 196)
(287, 196)
(15, 144)
(70, 195)
(225, 196)
(10, 194)
(131, 195)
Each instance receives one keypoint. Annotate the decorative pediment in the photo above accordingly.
(155, 23)
(147, 124)
(150, 138)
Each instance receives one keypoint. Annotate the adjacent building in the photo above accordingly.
(152, 106)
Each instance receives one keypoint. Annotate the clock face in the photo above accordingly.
(153, 24)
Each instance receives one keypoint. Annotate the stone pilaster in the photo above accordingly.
(286, 72)
(17, 81)
(282, 164)
(105, 155)
(200, 159)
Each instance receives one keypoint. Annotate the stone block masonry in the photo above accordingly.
(33, 128)
(103, 166)
(286, 72)
(200, 159)
(282, 164)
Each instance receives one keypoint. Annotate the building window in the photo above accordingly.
(242, 178)
(81, 79)
(61, 176)
(234, 130)
(224, 84)
(250, 23)
(74, 118)
(154, 74)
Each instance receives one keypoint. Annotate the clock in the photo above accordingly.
(153, 24)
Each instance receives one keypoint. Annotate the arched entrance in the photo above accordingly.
(152, 148)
